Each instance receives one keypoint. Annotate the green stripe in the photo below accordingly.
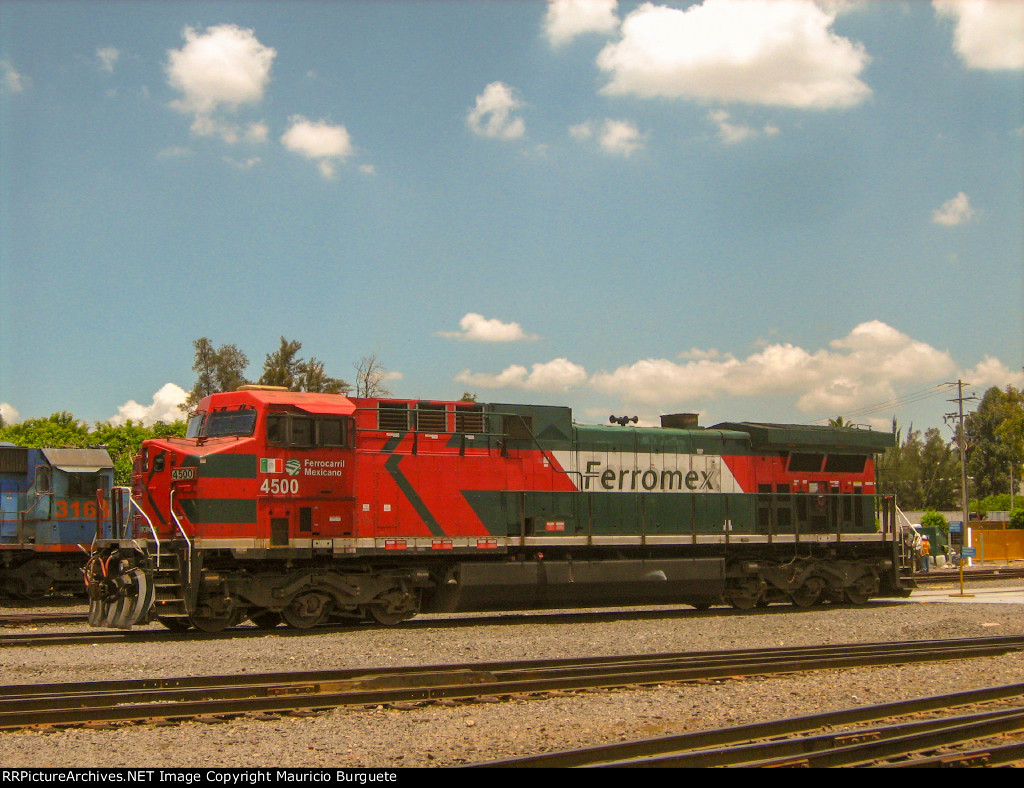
(219, 510)
(225, 466)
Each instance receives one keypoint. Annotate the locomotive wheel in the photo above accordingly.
(266, 619)
(860, 591)
(307, 610)
(175, 624)
(214, 623)
(745, 596)
(380, 614)
(809, 593)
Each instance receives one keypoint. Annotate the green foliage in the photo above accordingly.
(282, 366)
(991, 503)
(995, 440)
(312, 378)
(933, 519)
(1017, 519)
(62, 430)
(220, 369)
(923, 472)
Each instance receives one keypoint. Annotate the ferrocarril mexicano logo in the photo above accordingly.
(644, 472)
(305, 467)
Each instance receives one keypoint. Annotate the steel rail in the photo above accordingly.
(42, 617)
(53, 704)
(904, 741)
(1000, 755)
(858, 747)
(744, 745)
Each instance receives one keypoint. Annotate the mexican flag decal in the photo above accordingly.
(270, 465)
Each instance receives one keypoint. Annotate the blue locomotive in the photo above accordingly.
(53, 504)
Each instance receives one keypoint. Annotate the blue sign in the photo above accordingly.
(955, 526)
(967, 552)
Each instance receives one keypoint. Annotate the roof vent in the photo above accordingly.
(679, 421)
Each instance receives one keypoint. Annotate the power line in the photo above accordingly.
(906, 399)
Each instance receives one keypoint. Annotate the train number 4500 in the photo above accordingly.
(280, 486)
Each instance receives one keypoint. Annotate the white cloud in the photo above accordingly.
(620, 138)
(567, 19)
(242, 164)
(615, 137)
(862, 368)
(732, 133)
(477, 328)
(557, 375)
(989, 34)
(955, 211)
(107, 57)
(582, 131)
(771, 52)
(492, 115)
(10, 80)
(218, 71)
(323, 143)
(174, 152)
(993, 372)
(8, 413)
(166, 406)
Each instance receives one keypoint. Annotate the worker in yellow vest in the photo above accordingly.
(924, 554)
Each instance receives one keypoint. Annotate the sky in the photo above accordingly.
(762, 211)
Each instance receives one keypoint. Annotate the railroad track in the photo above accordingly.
(931, 731)
(43, 617)
(69, 617)
(106, 702)
(974, 575)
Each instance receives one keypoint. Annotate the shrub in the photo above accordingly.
(933, 519)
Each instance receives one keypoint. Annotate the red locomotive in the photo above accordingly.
(311, 507)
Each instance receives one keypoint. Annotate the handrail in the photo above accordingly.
(188, 542)
(152, 530)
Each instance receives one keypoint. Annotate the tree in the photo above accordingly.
(122, 442)
(994, 440)
(218, 370)
(282, 367)
(313, 378)
(63, 430)
(370, 377)
(59, 430)
(922, 472)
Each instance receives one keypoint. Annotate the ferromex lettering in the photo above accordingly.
(646, 472)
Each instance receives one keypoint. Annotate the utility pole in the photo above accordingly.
(961, 439)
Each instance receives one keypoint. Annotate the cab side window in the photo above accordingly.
(306, 432)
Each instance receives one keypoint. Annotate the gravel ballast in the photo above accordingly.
(446, 735)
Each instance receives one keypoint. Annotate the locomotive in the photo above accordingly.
(306, 508)
(53, 503)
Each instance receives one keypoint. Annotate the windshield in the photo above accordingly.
(195, 425)
(222, 423)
